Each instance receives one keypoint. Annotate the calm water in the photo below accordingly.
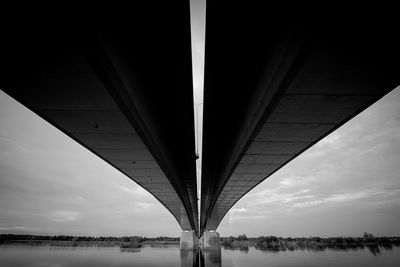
(45, 256)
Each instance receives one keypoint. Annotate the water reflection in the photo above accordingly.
(211, 257)
(129, 250)
(171, 256)
(201, 258)
(241, 248)
(189, 257)
(374, 249)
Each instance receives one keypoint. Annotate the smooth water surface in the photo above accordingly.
(43, 256)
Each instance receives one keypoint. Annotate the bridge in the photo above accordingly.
(272, 89)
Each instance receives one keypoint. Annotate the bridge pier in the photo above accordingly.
(211, 240)
(189, 240)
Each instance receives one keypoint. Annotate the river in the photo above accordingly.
(55, 256)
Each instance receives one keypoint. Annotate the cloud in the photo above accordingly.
(64, 216)
(291, 199)
(296, 181)
(337, 198)
(233, 218)
(135, 190)
(238, 210)
(127, 189)
(145, 205)
(12, 228)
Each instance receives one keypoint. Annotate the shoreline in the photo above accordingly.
(81, 243)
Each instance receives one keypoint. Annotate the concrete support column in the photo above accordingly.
(189, 240)
(211, 240)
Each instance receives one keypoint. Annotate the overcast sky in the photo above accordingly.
(347, 184)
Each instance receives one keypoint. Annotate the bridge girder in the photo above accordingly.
(120, 85)
(285, 84)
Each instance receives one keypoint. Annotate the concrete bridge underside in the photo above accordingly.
(274, 88)
(122, 88)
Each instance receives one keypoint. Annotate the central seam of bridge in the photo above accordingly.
(197, 16)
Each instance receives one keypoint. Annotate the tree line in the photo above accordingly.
(138, 239)
(315, 243)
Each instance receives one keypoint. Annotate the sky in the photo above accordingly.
(347, 184)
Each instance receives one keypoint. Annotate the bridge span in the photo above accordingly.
(272, 89)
